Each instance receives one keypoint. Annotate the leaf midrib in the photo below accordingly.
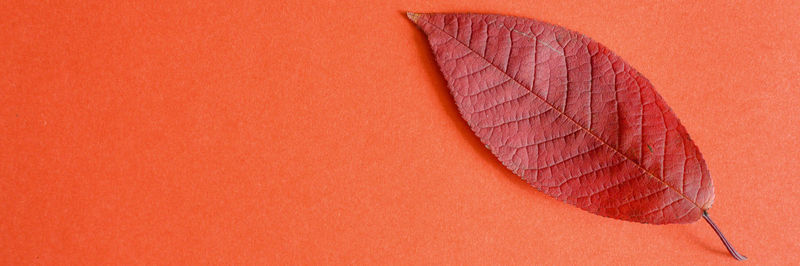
(421, 19)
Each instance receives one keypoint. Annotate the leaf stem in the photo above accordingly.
(727, 244)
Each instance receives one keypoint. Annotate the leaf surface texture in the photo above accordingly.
(570, 117)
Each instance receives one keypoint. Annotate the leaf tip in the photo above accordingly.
(413, 16)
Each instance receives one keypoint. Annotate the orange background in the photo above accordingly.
(322, 132)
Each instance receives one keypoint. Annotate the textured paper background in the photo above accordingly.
(321, 132)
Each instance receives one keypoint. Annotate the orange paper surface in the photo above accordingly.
(299, 132)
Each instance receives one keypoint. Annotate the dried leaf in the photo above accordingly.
(571, 118)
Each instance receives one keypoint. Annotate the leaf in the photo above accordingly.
(570, 117)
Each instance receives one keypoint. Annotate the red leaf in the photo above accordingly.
(570, 117)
